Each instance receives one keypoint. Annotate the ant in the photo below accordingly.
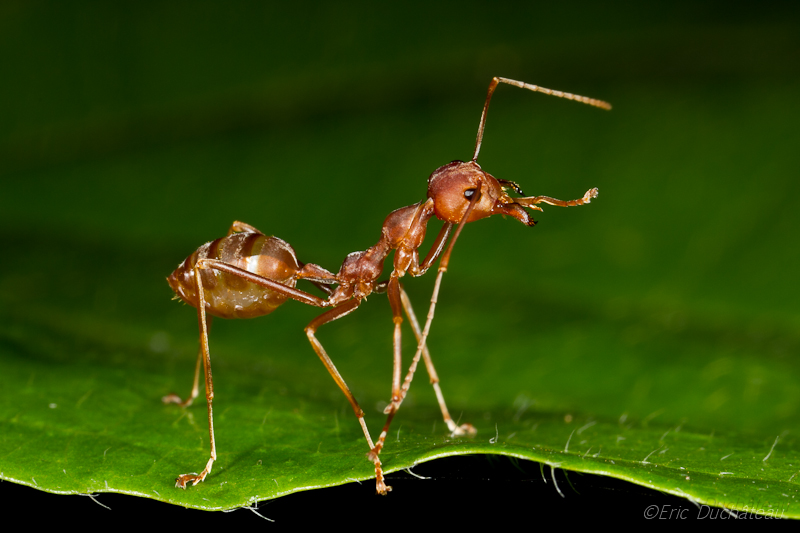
(248, 274)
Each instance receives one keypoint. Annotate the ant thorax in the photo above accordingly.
(403, 231)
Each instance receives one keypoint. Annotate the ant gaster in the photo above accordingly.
(247, 274)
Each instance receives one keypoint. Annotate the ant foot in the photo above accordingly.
(382, 488)
(171, 398)
(392, 407)
(465, 429)
(174, 398)
(194, 479)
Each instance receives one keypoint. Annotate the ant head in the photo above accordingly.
(452, 186)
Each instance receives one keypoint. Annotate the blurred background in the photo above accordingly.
(132, 132)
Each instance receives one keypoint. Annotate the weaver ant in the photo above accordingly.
(247, 274)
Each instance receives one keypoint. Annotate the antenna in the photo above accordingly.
(535, 88)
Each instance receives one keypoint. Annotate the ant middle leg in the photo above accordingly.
(398, 296)
(393, 291)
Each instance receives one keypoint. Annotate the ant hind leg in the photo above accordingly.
(326, 317)
(174, 398)
(194, 479)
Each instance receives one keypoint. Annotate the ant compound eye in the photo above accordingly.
(468, 193)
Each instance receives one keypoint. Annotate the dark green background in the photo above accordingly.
(130, 133)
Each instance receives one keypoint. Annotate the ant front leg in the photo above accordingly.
(397, 296)
(455, 429)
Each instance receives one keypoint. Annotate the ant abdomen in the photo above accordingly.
(230, 296)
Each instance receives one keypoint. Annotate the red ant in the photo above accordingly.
(248, 274)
